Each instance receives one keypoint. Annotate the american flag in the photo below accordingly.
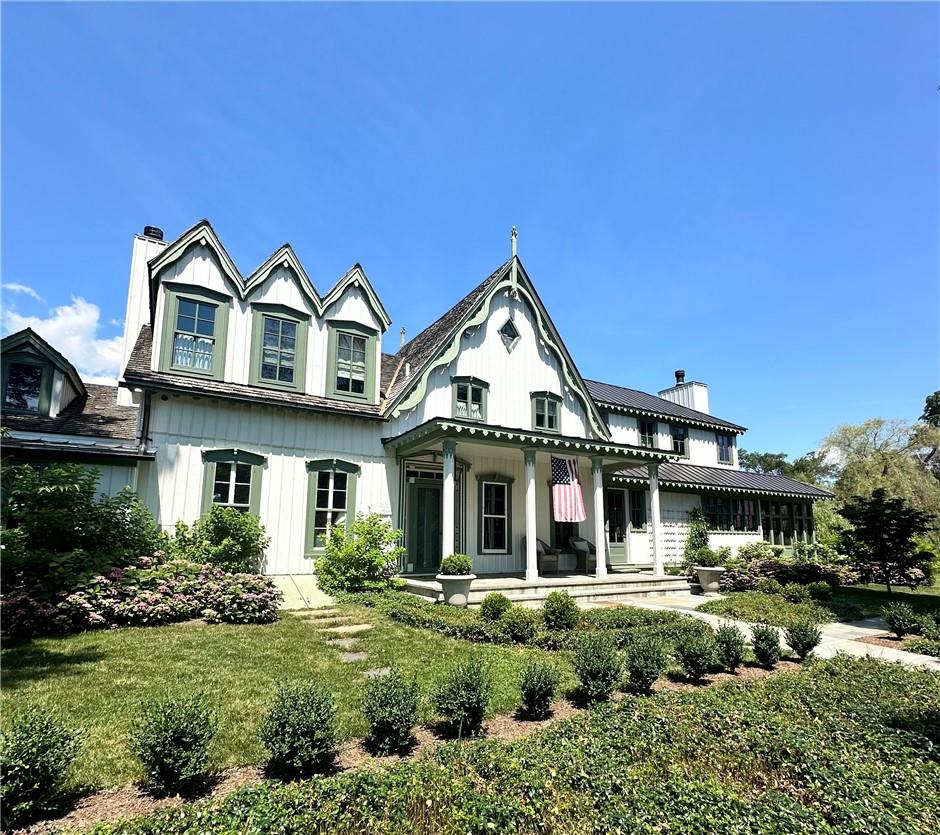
(567, 501)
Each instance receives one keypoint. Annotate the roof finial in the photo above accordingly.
(512, 244)
(512, 241)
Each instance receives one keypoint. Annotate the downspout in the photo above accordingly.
(144, 432)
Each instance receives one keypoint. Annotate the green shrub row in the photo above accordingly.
(844, 746)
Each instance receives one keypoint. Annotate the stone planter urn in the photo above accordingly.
(456, 588)
(708, 577)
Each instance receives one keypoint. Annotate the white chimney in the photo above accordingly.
(691, 395)
(146, 247)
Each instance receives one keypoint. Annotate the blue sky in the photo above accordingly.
(749, 192)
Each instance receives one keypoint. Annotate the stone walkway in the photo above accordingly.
(836, 637)
(341, 631)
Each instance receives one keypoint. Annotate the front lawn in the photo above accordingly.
(97, 680)
(848, 603)
(843, 746)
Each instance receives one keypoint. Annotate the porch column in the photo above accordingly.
(655, 526)
(447, 500)
(531, 550)
(600, 535)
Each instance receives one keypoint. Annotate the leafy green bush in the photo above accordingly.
(456, 565)
(766, 643)
(223, 537)
(803, 638)
(35, 755)
(769, 586)
(519, 623)
(929, 625)
(171, 738)
(493, 606)
(925, 646)
(705, 558)
(697, 538)
(362, 559)
(901, 619)
(754, 551)
(538, 681)
(644, 660)
(390, 705)
(597, 665)
(755, 607)
(696, 654)
(300, 730)
(796, 593)
(461, 696)
(560, 611)
(730, 644)
(819, 590)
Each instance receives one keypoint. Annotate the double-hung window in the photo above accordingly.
(647, 433)
(331, 500)
(352, 362)
(546, 411)
(724, 448)
(680, 439)
(637, 509)
(279, 340)
(194, 330)
(232, 479)
(469, 398)
(495, 510)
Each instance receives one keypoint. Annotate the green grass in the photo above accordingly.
(849, 603)
(98, 680)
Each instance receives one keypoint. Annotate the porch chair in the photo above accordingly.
(585, 554)
(546, 555)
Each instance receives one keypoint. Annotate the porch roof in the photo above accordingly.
(439, 429)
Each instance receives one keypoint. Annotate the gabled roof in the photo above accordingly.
(29, 341)
(637, 402)
(696, 477)
(438, 344)
(202, 233)
(94, 413)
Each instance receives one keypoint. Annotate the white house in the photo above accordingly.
(258, 392)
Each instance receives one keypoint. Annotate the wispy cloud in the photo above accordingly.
(25, 289)
(73, 330)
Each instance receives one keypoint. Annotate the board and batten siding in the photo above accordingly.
(702, 447)
(182, 428)
(113, 478)
(511, 375)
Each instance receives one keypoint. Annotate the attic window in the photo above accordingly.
(509, 334)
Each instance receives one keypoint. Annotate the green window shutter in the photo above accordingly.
(351, 480)
(254, 496)
(208, 477)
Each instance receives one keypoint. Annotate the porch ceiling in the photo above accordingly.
(429, 434)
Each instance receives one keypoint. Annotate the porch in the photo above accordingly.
(487, 491)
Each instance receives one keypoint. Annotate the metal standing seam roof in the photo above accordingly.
(633, 400)
(674, 474)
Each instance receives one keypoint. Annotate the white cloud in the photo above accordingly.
(13, 287)
(73, 331)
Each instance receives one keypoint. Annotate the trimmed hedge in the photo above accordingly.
(737, 760)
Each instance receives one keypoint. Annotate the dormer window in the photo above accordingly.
(509, 334)
(546, 411)
(647, 434)
(194, 330)
(724, 448)
(23, 387)
(279, 347)
(680, 440)
(351, 375)
(469, 398)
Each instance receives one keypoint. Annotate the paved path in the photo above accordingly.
(836, 637)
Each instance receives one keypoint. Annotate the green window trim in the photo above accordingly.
(353, 329)
(506, 482)
(173, 293)
(233, 457)
(472, 384)
(728, 447)
(321, 476)
(302, 326)
(549, 402)
(647, 431)
(47, 375)
(679, 436)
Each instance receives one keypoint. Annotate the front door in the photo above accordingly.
(615, 516)
(423, 536)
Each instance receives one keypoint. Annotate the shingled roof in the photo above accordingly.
(639, 402)
(694, 476)
(138, 373)
(427, 344)
(95, 414)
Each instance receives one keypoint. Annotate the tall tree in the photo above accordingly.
(812, 468)
(882, 541)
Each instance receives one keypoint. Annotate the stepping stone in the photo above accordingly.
(348, 629)
(378, 672)
(345, 643)
(322, 613)
(350, 657)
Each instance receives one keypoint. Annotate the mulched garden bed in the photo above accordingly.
(888, 640)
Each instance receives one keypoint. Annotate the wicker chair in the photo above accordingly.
(585, 554)
(547, 556)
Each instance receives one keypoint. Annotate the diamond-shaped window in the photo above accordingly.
(510, 334)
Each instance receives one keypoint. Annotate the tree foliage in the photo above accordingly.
(812, 468)
(883, 539)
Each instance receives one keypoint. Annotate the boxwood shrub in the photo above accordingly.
(766, 643)
(300, 730)
(538, 681)
(803, 638)
(696, 654)
(644, 660)
(597, 664)
(493, 605)
(519, 623)
(901, 619)
(390, 705)
(461, 697)
(560, 612)
(729, 641)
